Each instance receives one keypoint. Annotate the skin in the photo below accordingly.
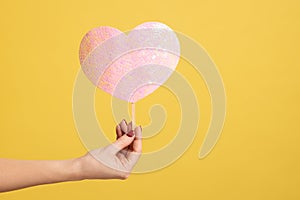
(114, 161)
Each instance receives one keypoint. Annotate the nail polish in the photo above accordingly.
(130, 134)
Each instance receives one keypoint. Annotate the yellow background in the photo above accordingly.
(255, 45)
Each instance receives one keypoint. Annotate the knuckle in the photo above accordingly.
(124, 175)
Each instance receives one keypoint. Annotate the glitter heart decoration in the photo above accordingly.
(130, 65)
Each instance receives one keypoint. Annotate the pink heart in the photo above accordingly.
(132, 66)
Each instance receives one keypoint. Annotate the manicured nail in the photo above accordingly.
(130, 134)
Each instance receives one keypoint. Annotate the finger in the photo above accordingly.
(135, 154)
(137, 143)
(129, 127)
(122, 142)
(123, 126)
(118, 131)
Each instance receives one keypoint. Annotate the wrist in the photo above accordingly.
(73, 168)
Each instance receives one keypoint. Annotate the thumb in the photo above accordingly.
(123, 141)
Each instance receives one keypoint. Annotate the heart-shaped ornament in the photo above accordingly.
(130, 66)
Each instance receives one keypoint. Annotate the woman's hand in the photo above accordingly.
(116, 160)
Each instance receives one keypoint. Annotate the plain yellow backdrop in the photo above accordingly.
(255, 45)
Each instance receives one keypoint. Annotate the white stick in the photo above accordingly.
(133, 115)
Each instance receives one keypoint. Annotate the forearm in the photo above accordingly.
(16, 174)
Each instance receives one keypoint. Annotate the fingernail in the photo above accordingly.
(130, 134)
